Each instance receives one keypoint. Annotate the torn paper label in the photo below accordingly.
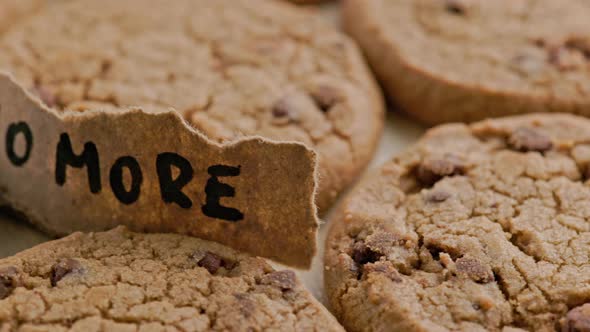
(152, 172)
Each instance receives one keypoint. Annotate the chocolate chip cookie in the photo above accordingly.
(273, 70)
(466, 60)
(124, 281)
(482, 227)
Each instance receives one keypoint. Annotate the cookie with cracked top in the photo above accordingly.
(124, 281)
(481, 227)
(274, 70)
(467, 60)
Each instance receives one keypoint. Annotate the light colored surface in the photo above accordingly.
(399, 132)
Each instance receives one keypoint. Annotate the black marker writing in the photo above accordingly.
(116, 179)
(64, 156)
(171, 189)
(13, 130)
(215, 190)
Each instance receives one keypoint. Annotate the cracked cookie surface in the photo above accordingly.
(467, 60)
(124, 281)
(482, 227)
(231, 68)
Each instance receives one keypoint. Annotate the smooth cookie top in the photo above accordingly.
(230, 67)
(476, 227)
(124, 281)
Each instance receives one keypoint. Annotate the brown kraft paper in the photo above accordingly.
(152, 172)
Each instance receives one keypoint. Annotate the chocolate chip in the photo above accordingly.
(455, 7)
(474, 269)
(384, 268)
(246, 306)
(528, 139)
(285, 111)
(577, 319)
(45, 95)
(363, 254)
(554, 55)
(8, 282)
(5, 290)
(540, 42)
(229, 264)
(211, 262)
(325, 97)
(431, 170)
(285, 280)
(280, 109)
(437, 196)
(62, 268)
(580, 44)
(107, 65)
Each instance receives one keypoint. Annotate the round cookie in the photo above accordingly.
(482, 227)
(231, 68)
(124, 281)
(467, 60)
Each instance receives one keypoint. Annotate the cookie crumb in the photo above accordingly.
(485, 303)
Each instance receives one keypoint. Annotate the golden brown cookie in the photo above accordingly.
(232, 68)
(124, 281)
(482, 227)
(466, 60)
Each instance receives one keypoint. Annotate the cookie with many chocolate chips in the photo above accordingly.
(124, 281)
(273, 70)
(482, 227)
(467, 60)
